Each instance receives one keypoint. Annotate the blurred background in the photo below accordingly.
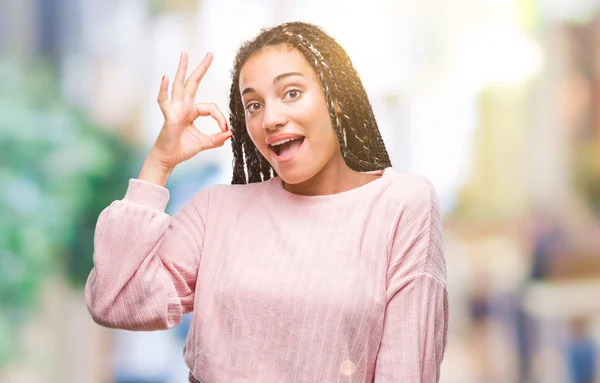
(496, 101)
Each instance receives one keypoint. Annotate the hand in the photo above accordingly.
(179, 139)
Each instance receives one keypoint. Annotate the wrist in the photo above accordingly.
(153, 170)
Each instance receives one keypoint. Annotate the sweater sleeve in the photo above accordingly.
(416, 316)
(145, 261)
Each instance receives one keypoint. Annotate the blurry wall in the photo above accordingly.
(495, 101)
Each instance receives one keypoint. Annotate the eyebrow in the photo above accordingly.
(276, 79)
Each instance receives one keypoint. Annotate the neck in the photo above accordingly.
(335, 177)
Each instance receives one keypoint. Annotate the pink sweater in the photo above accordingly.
(347, 287)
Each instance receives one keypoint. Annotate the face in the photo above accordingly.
(286, 113)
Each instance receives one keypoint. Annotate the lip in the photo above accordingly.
(281, 136)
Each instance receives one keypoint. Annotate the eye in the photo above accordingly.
(292, 94)
(253, 107)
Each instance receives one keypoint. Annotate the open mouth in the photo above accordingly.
(288, 147)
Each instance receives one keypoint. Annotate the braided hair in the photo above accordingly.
(359, 138)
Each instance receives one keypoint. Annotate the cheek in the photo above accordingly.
(258, 136)
(327, 137)
(323, 135)
(255, 132)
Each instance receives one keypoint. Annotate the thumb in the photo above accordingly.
(219, 139)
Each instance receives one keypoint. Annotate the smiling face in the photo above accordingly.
(286, 113)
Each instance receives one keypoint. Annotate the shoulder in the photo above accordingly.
(410, 190)
(416, 220)
(413, 205)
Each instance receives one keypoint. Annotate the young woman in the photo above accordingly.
(321, 263)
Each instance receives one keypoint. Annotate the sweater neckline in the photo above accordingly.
(329, 199)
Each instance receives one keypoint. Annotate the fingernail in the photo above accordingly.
(226, 127)
(163, 78)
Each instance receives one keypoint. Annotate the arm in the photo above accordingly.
(416, 318)
(145, 261)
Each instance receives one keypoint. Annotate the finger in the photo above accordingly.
(191, 85)
(218, 139)
(163, 92)
(180, 77)
(207, 109)
(211, 141)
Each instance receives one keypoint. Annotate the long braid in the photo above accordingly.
(238, 130)
(252, 161)
(358, 134)
(238, 136)
(362, 154)
(265, 168)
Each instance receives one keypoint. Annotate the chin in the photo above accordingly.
(295, 174)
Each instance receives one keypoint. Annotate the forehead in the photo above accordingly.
(264, 65)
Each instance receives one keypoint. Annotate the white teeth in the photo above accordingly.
(276, 143)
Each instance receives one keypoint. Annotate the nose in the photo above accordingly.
(273, 116)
